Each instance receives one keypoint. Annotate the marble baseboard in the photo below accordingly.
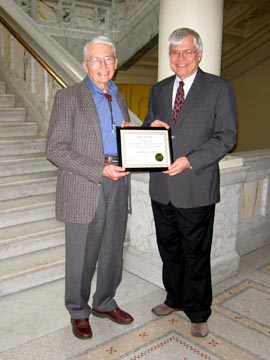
(250, 239)
(224, 267)
(146, 266)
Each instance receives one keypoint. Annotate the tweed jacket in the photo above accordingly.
(204, 132)
(74, 145)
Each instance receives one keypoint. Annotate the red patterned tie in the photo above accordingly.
(179, 101)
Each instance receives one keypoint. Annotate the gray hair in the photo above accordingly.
(178, 35)
(99, 40)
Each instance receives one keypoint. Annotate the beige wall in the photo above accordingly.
(253, 101)
(137, 98)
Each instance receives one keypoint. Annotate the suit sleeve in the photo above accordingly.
(224, 132)
(59, 140)
(149, 118)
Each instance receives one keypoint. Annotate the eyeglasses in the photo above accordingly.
(184, 53)
(96, 61)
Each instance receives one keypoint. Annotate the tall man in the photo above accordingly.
(201, 111)
(92, 190)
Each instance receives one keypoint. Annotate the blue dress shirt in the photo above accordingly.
(106, 116)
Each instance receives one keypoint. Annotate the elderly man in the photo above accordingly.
(92, 190)
(200, 109)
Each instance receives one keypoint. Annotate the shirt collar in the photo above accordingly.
(112, 89)
(189, 80)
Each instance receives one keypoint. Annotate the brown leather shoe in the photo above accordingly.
(163, 310)
(199, 329)
(81, 328)
(117, 315)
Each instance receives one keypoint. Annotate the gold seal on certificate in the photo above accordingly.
(159, 157)
(144, 148)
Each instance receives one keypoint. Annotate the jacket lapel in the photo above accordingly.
(166, 96)
(90, 108)
(191, 98)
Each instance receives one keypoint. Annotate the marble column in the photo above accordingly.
(205, 17)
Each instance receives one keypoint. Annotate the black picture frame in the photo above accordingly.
(144, 148)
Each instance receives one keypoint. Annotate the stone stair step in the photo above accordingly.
(29, 270)
(34, 236)
(26, 128)
(31, 239)
(7, 100)
(28, 209)
(18, 186)
(10, 114)
(22, 145)
(24, 164)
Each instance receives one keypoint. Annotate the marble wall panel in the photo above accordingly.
(19, 61)
(6, 44)
(131, 7)
(254, 225)
(260, 204)
(77, 14)
(32, 71)
(226, 221)
(25, 5)
(85, 15)
(249, 196)
(254, 198)
(47, 10)
(74, 45)
(266, 198)
(142, 228)
(27, 75)
(39, 81)
(52, 87)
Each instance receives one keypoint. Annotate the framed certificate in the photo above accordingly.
(144, 148)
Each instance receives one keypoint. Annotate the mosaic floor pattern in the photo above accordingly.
(170, 336)
(167, 338)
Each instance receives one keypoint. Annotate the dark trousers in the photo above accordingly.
(184, 238)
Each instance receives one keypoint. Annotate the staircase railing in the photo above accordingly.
(32, 52)
(37, 66)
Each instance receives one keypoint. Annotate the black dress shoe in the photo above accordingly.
(81, 328)
(117, 315)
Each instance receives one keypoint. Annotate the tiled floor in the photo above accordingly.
(35, 324)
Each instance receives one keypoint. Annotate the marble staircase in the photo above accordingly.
(31, 239)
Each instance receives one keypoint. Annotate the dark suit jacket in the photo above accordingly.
(204, 132)
(74, 144)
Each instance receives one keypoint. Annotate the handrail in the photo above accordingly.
(33, 52)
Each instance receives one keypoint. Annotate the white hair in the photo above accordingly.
(178, 35)
(99, 40)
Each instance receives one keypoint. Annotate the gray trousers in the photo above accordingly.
(99, 242)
